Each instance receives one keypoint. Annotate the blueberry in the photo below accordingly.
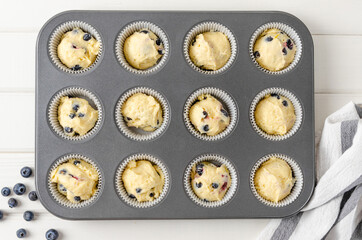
(63, 171)
(77, 198)
(28, 216)
(62, 188)
(256, 54)
(284, 51)
(75, 107)
(52, 234)
(158, 121)
(21, 233)
(275, 95)
(87, 37)
(33, 196)
(1, 215)
(200, 169)
(72, 115)
(158, 41)
(138, 190)
(224, 112)
(269, 39)
(129, 119)
(206, 128)
(215, 185)
(152, 194)
(75, 31)
(285, 103)
(289, 44)
(73, 46)
(160, 51)
(205, 114)
(76, 68)
(26, 172)
(193, 41)
(132, 196)
(198, 185)
(19, 189)
(68, 129)
(12, 203)
(205, 200)
(144, 31)
(5, 191)
(81, 114)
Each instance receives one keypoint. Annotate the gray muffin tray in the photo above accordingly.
(176, 147)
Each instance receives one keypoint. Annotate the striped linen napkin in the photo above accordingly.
(335, 209)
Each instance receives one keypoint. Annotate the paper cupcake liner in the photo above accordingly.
(128, 31)
(207, 27)
(227, 101)
(122, 193)
(139, 134)
(73, 92)
(290, 32)
(218, 161)
(60, 198)
(56, 37)
(297, 110)
(297, 174)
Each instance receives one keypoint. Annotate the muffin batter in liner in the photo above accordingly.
(296, 173)
(122, 193)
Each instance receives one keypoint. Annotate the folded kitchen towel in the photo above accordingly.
(335, 209)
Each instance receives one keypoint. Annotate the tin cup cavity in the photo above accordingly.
(296, 172)
(207, 27)
(227, 101)
(297, 110)
(74, 92)
(121, 190)
(139, 134)
(56, 38)
(290, 32)
(217, 160)
(62, 199)
(128, 31)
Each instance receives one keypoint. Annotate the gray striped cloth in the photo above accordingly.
(335, 209)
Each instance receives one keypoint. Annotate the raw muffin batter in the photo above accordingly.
(210, 50)
(208, 115)
(78, 49)
(273, 180)
(275, 114)
(76, 116)
(143, 49)
(142, 180)
(142, 111)
(274, 50)
(76, 179)
(210, 182)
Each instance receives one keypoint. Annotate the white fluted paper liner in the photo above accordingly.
(297, 110)
(122, 192)
(227, 101)
(139, 134)
(56, 37)
(297, 174)
(290, 32)
(207, 27)
(73, 92)
(218, 161)
(128, 31)
(62, 199)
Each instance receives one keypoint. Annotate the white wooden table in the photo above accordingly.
(337, 35)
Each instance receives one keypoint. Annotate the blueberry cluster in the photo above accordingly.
(20, 189)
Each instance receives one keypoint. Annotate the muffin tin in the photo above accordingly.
(176, 146)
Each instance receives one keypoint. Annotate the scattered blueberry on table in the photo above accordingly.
(21, 233)
(33, 196)
(19, 189)
(12, 203)
(1, 215)
(26, 172)
(5, 191)
(28, 216)
(52, 234)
